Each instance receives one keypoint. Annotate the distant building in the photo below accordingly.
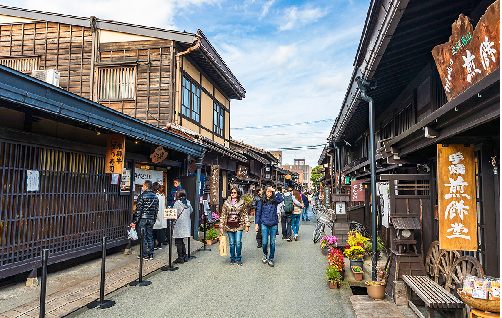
(306, 172)
(278, 155)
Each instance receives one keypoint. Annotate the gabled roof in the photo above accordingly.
(259, 154)
(205, 55)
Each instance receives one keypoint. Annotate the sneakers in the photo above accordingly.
(259, 246)
(289, 239)
(239, 263)
(146, 258)
(296, 237)
(179, 260)
(150, 258)
(271, 262)
(232, 262)
(264, 259)
(307, 220)
(284, 238)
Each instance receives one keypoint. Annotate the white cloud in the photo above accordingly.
(284, 56)
(266, 8)
(303, 16)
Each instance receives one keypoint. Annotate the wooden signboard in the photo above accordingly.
(242, 171)
(457, 198)
(214, 194)
(115, 151)
(158, 155)
(469, 55)
(357, 190)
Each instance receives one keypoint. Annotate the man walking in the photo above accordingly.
(147, 208)
(287, 216)
(305, 199)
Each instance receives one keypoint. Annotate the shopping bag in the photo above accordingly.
(132, 234)
(223, 245)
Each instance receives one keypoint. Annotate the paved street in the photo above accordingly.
(209, 286)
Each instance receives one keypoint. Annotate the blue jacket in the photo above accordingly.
(305, 201)
(266, 211)
(171, 197)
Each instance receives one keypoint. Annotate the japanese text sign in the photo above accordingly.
(115, 151)
(215, 185)
(457, 198)
(242, 171)
(171, 214)
(469, 55)
(357, 190)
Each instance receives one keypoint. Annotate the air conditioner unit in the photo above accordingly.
(50, 76)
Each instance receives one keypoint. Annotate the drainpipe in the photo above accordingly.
(363, 86)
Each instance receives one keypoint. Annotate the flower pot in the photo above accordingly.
(325, 251)
(210, 242)
(342, 274)
(216, 225)
(356, 263)
(376, 291)
(333, 285)
(357, 275)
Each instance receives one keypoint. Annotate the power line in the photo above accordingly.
(302, 147)
(286, 134)
(284, 125)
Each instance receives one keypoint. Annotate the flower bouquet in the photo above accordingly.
(329, 241)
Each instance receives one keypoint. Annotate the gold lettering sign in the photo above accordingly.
(214, 193)
(469, 55)
(357, 190)
(457, 198)
(242, 172)
(115, 152)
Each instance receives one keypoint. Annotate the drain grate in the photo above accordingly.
(356, 290)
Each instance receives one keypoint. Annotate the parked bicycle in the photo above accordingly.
(324, 218)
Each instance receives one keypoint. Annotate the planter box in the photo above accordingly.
(333, 285)
(356, 263)
(210, 242)
(357, 275)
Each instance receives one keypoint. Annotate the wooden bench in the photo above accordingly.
(434, 296)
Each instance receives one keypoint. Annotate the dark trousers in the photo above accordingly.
(160, 235)
(258, 236)
(286, 219)
(147, 224)
(180, 246)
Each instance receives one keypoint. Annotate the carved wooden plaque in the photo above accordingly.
(457, 198)
(214, 193)
(115, 152)
(470, 54)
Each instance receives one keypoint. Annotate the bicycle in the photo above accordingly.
(324, 218)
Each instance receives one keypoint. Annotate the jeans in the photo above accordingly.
(147, 224)
(286, 224)
(235, 244)
(305, 214)
(296, 223)
(267, 231)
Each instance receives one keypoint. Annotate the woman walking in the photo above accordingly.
(297, 211)
(182, 225)
(234, 219)
(267, 219)
(160, 226)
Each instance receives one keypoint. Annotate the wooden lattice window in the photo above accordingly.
(21, 64)
(218, 119)
(117, 83)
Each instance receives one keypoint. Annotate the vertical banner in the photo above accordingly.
(115, 151)
(215, 185)
(457, 198)
(357, 190)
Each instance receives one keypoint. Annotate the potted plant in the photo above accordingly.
(333, 277)
(216, 219)
(335, 259)
(376, 290)
(356, 255)
(328, 243)
(358, 272)
(369, 247)
(211, 236)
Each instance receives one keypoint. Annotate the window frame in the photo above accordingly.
(102, 69)
(188, 109)
(35, 59)
(218, 119)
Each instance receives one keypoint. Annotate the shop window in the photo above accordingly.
(190, 100)
(21, 64)
(218, 119)
(117, 83)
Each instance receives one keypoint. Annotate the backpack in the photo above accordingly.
(288, 204)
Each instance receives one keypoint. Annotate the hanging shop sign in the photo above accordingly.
(32, 180)
(125, 182)
(357, 190)
(470, 54)
(457, 198)
(326, 195)
(141, 175)
(115, 151)
(340, 208)
(170, 214)
(158, 155)
(215, 185)
(242, 171)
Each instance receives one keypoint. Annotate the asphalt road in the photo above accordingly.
(210, 286)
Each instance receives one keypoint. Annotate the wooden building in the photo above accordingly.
(423, 102)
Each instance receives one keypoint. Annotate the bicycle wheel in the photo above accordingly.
(317, 232)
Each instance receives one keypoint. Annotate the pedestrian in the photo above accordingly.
(160, 226)
(306, 203)
(147, 208)
(182, 225)
(267, 220)
(287, 215)
(297, 211)
(234, 219)
(257, 198)
(171, 197)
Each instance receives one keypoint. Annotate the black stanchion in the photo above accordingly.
(43, 285)
(170, 267)
(102, 303)
(188, 251)
(140, 281)
(205, 229)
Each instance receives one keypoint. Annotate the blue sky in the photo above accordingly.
(294, 58)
